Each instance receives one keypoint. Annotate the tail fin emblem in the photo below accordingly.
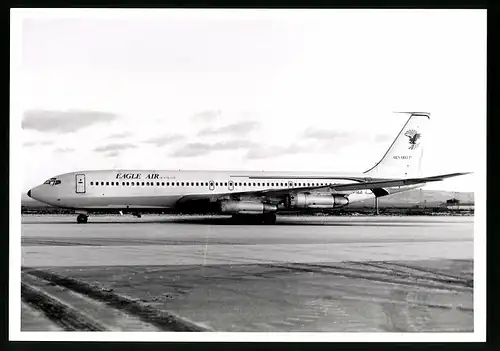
(413, 136)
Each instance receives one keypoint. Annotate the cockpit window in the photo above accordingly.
(50, 181)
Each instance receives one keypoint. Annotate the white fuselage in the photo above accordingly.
(151, 189)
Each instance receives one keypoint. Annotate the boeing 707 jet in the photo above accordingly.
(241, 193)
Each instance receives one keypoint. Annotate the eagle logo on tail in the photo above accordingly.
(413, 136)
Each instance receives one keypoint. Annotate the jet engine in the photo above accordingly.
(246, 207)
(304, 200)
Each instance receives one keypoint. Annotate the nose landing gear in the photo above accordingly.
(82, 218)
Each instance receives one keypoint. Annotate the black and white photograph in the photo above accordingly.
(248, 175)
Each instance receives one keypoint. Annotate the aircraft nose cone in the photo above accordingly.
(29, 193)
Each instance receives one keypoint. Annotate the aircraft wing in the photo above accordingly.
(361, 185)
(389, 183)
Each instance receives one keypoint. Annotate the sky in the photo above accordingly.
(291, 90)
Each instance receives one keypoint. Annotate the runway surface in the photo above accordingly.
(303, 274)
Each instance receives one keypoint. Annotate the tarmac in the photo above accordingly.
(199, 273)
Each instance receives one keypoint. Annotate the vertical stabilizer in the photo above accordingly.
(404, 156)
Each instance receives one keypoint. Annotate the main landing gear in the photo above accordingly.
(82, 218)
(269, 218)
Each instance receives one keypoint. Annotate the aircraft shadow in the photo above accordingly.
(231, 221)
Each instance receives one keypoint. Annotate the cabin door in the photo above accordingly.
(80, 183)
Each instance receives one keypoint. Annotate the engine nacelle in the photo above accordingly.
(303, 200)
(246, 207)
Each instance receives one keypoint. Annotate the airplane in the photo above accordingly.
(242, 194)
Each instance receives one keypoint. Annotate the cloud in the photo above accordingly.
(120, 135)
(267, 151)
(192, 149)
(63, 121)
(198, 149)
(113, 153)
(34, 143)
(115, 147)
(165, 139)
(240, 128)
(206, 116)
(312, 133)
(63, 150)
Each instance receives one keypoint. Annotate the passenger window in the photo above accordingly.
(107, 183)
(177, 183)
(244, 184)
(182, 183)
(91, 183)
(162, 183)
(128, 183)
(197, 183)
(225, 184)
(157, 183)
(258, 184)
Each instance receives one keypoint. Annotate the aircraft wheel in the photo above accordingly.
(82, 218)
